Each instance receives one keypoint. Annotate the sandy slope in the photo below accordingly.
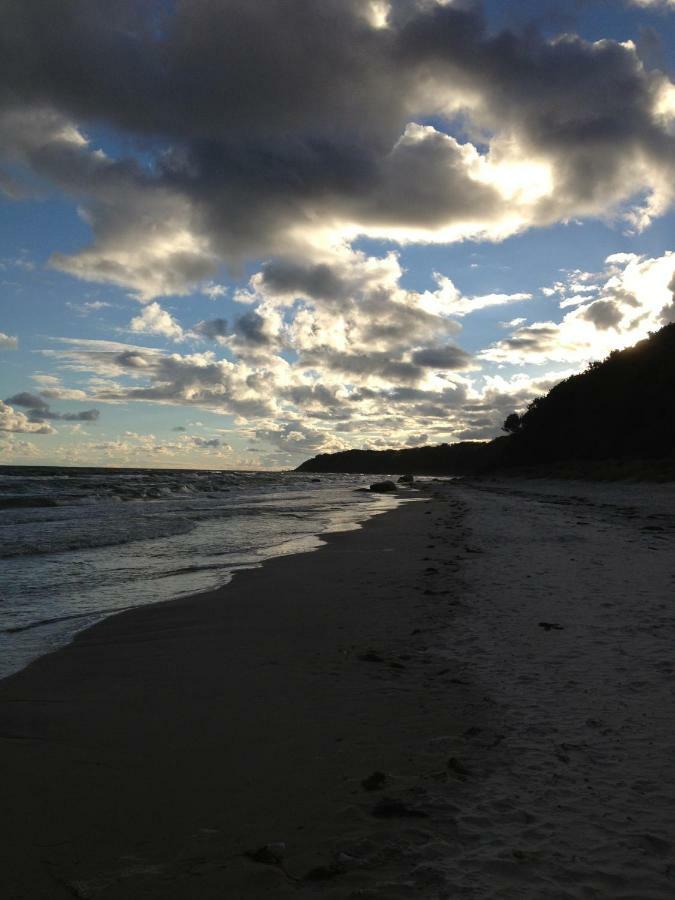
(145, 760)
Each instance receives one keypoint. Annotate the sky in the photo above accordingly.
(237, 233)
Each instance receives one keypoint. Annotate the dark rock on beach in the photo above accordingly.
(383, 487)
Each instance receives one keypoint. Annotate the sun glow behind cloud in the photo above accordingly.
(377, 13)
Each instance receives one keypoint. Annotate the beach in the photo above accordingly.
(494, 661)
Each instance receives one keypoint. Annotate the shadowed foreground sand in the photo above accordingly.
(502, 652)
(145, 759)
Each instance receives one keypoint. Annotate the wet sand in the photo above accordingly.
(503, 653)
(148, 757)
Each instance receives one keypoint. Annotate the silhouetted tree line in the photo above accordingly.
(465, 458)
(618, 409)
(621, 408)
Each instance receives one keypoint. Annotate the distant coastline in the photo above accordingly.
(612, 422)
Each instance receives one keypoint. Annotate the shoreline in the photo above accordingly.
(502, 654)
(203, 727)
(26, 641)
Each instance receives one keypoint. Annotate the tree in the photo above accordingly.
(512, 423)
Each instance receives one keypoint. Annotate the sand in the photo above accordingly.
(522, 760)
(582, 803)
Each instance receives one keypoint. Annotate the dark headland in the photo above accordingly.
(615, 420)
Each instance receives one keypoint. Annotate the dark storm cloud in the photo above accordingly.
(28, 401)
(448, 357)
(250, 329)
(320, 282)
(265, 118)
(158, 68)
(40, 411)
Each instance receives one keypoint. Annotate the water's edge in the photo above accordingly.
(40, 637)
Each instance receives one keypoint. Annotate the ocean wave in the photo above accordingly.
(66, 536)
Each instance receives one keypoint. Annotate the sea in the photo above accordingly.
(79, 544)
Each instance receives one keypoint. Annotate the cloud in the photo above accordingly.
(297, 438)
(143, 231)
(8, 342)
(484, 411)
(16, 421)
(40, 411)
(128, 372)
(29, 401)
(603, 314)
(633, 295)
(336, 352)
(15, 449)
(88, 307)
(272, 394)
(318, 282)
(448, 357)
(458, 305)
(133, 448)
(60, 393)
(155, 320)
(17, 262)
(250, 329)
(310, 127)
(213, 291)
(347, 314)
(212, 329)
(87, 415)
(206, 443)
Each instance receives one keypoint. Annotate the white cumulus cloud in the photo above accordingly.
(8, 342)
(155, 320)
